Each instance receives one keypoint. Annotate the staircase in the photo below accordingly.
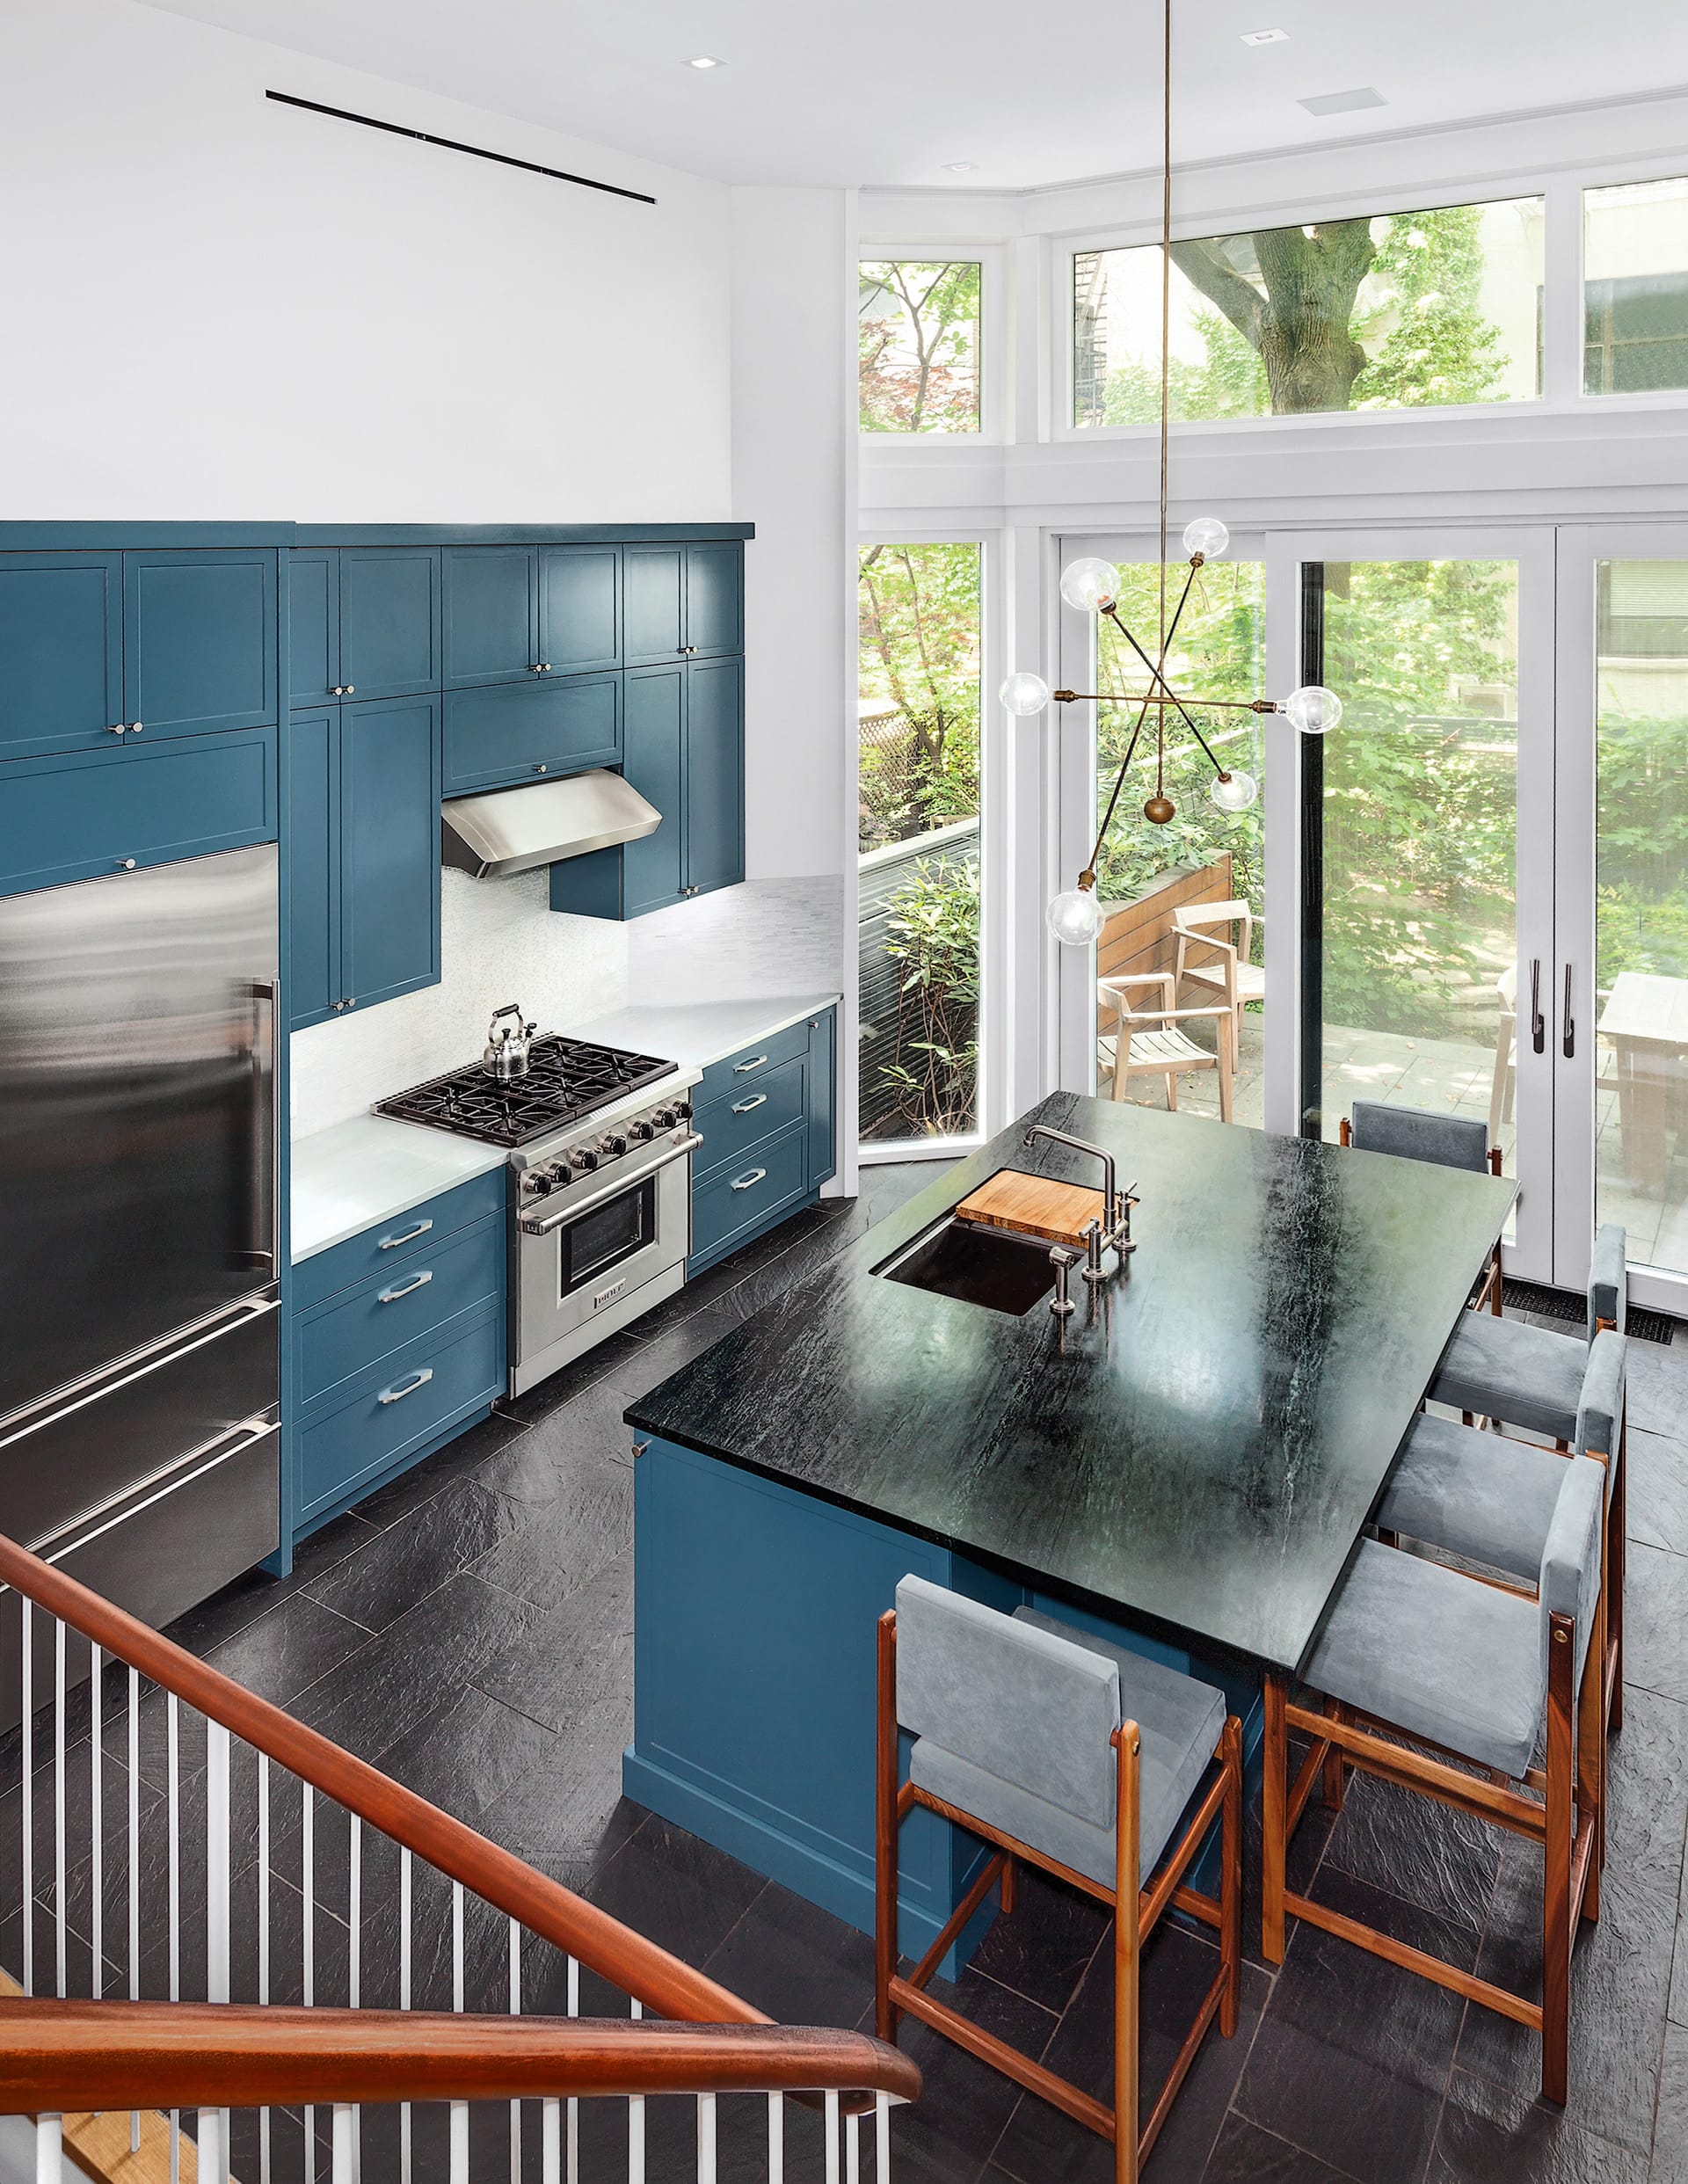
(289, 1967)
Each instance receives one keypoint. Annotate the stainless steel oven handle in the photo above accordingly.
(574, 1207)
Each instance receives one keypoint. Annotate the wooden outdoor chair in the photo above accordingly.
(1233, 975)
(1147, 1042)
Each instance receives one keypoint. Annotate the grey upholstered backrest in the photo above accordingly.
(1417, 1133)
(1600, 1408)
(1031, 1708)
(1570, 1560)
(1609, 1279)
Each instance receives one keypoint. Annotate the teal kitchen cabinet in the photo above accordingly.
(364, 622)
(765, 1115)
(579, 609)
(684, 753)
(363, 855)
(61, 652)
(492, 615)
(682, 602)
(714, 598)
(504, 733)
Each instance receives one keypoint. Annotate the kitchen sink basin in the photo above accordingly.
(980, 1266)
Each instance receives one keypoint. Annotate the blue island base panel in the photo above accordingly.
(755, 1614)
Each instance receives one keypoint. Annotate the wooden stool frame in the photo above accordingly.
(1137, 1911)
(1566, 1817)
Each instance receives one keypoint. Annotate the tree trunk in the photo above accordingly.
(1299, 325)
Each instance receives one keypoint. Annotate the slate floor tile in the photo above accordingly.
(457, 1460)
(395, 1569)
(796, 1962)
(949, 2133)
(467, 1753)
(1646, 1811)
(573, 1660)
(1670, 2164)
(256, 1591)
(1244, 2154)
(652, 1362)
(1043, 1949)
(1655, 1621)
(1658, 1490)
(1488, 2135)
(555, 1550)
(1415, 1849)
(678, 1891)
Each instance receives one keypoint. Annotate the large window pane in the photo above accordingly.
(1399, 311)
(918, 798)
(1635, 287)
(1642, 907)
(1420, 840)
(918, 340)
(1152, 879)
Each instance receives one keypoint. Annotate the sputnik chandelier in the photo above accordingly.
(1092, 586)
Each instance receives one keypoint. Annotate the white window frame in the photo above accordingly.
(994, 320)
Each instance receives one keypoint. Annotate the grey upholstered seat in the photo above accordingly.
(1462, 1663)
(1529, 1376)
(1417, 1133)
(1013, 1718)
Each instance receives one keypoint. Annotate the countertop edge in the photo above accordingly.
(786, 1011)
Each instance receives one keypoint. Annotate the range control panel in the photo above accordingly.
(555, 1171)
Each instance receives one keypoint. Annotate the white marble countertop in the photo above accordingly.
(366, 1170)
(696, 1033)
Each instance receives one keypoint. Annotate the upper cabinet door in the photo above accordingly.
(492, 613)
(61, 652)
(655, 713)
(198, 640)
(579, 609)
(715, 603)
(654, 603)
(313, 840)
(556, 725)
(313, 626)
(389, 848)
(389, 621)
(714, 777)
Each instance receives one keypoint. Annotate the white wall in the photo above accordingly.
(218, 307)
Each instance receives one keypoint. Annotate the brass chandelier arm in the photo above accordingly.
(1089, 876)
(1134, 697)
(1156, 669)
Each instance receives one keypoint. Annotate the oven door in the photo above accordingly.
(577, 1265)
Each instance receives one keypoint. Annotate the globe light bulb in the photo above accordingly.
(1206, 536)
(1075, 918)
(1235, 794)
(1089, 583)
(1024, 694)
(1315, 710)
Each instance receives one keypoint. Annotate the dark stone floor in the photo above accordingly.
(470, 1629)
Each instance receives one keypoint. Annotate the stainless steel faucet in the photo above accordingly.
(1115, 1228)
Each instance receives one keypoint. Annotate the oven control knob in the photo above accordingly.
(641, 1133)
(614, 1148)
(583, 1158)
(682, 1110)
(662, 1118)
(539, 1182)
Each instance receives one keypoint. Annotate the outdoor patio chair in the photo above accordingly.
(1233, 975)
(1147, 1042)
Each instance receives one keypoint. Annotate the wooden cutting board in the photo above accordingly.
(1033, 1206)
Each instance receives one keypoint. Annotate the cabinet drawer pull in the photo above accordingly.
(397, 1393)
(387, 1243)
(416, 1282)
(744, 1069)
(743, 1182)
(744, 1107)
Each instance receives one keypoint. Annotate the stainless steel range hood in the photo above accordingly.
(513, 830)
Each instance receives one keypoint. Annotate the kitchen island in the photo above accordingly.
(1187, 1463)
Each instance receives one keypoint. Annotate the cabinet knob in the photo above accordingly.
(351, 690)
(135, 727)
(334, 690)
(542, 769)
(545, 666)
(120, 727)
(126, 864)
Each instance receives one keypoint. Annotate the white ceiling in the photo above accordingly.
(887, 91)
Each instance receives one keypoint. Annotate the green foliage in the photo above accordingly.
(933, 1065)
(1641, 912)
(918, 650)
(918, 347)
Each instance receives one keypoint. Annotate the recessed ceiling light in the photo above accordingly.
(960, 166)
(705, 60)
(1265, 37)
(1344, 102)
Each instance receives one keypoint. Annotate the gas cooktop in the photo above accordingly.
(566, 1081)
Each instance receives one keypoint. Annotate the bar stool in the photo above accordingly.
(1528, 1376)
(1420, 1134)
(1412, 1648)
(1491, 1500)
(1079, 1758)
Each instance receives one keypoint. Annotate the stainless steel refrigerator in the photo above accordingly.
(139, 1274)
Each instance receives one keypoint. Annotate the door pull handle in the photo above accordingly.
(744, 1069)
(745, 1183)
(407, 1289)
(387, 1243)
(1537, 1022)
(1570, 1021)
(745, 1107)
(397, 1393)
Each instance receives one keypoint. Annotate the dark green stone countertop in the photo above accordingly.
(1202, 1443)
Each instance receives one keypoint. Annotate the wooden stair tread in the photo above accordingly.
(1033, 1206)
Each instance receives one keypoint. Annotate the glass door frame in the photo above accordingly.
(1581, 549)
(1293, 790)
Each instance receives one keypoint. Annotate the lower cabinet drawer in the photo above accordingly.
(405, 1240)
(424, 1386)
(732, 1077)
(740, 1200)
(759, 1108)
(341, 1340)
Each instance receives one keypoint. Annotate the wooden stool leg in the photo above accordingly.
(1556, 1890)
(1616, 1556)
(886, 1883)
(1274, 1821)
(1335, 1772)
(1009, 1891)
(1126, 1882)
(1231, 1874)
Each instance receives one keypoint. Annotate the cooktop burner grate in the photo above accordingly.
(566, 1081)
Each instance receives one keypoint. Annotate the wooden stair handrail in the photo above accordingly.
(662, 1983)
(56, 2055)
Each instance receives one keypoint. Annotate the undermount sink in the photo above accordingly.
(979, 1266)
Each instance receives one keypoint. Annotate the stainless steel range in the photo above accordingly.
(601, 1144)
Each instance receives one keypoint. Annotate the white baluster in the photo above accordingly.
(404, 2001)
(882, 2139)
(26, 1609)
(264, 1939)
(852, 2150)
(776, 2138)
(97, 1827)
(345, 2167)
(214, 2148)
(58, 1802)
(574, 2104)
(175, 2146)
(308, 1948)
(550, 2142)
(50, 2149)
(636, 2119)
(831, 2139)
(706, 2138)
(458, 2108)
(354, 1989)
(515, 2011)
(134, 1870)
(172, 1776)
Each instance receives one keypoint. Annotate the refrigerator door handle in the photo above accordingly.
(266, 1149)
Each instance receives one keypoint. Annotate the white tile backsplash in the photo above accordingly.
(500, 940)
(766, 937)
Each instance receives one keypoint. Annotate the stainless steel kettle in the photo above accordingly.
(508, 1045)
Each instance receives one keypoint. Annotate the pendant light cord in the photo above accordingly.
(1165, 370)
